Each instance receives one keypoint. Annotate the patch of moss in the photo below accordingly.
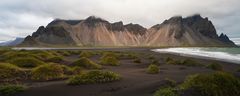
(109, 54)
(64, 52)
(185, 62)
(215, 84)
(77, 70)
(107, 60)
(167, 91)
(16, 54)
(168, 59)
(67, 70)
(151, 57)
(170, 82)
(174, 62)
(9, 72)
(131, 56)
(94, 77)
(26, 62)
(10, 89)
(215, 66)
(152, 69)
(86, 54)
(56, 59)
(74, 52)
(190, 62)
(86, 63)
(48, 72)
(37, 54)
(43, 54)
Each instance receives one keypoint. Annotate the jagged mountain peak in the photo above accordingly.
(117, 26)
(175, 19)
(195, 17)
(57, 22)
(133, 25)
(94, 31)
(118, 23)
(135, 28)
(223, 37)
(94, 19)
(91, 21)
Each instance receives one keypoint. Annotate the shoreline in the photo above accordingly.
(200, 57)
(153, 49)
(118, 47)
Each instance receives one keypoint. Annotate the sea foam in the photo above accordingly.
(205, 53)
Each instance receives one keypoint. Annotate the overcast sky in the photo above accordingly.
(19, 18)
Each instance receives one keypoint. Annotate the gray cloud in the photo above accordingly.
(19, 18)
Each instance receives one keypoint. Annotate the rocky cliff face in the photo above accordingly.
(93, 31)
(189, 31)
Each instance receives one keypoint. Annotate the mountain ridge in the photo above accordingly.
(14, 42)
(93, 31)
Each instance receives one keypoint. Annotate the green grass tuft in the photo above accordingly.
(10, 89)
(215, 66)
(151, 57)
(185, 62)
(109, 54)
(48, 72)
(152, 69)
(94, 77)
(86, 63)
(76, 70)
(215, 84)
(113, 61)
(86, 54)
(168, 91)
(55, 59)
(26, 62)
(170, 82)
(9, 72)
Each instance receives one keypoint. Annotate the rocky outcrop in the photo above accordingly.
(224, 38)
(189, 31)
(202, 25)
(94, 31)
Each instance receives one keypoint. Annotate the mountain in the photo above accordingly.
(12, 42)
(189, 31)
(93, 31)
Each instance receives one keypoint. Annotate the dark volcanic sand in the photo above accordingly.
(135, 81)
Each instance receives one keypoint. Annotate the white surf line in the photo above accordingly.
(189, 52)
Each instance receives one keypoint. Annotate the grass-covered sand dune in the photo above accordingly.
(113, 72)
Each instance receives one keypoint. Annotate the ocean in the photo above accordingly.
(236, 40)
(222, 54)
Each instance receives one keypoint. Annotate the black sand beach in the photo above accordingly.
(134, 82)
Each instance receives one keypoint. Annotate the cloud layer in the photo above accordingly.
(19, 18)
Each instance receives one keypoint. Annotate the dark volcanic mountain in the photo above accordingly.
(93, 31)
